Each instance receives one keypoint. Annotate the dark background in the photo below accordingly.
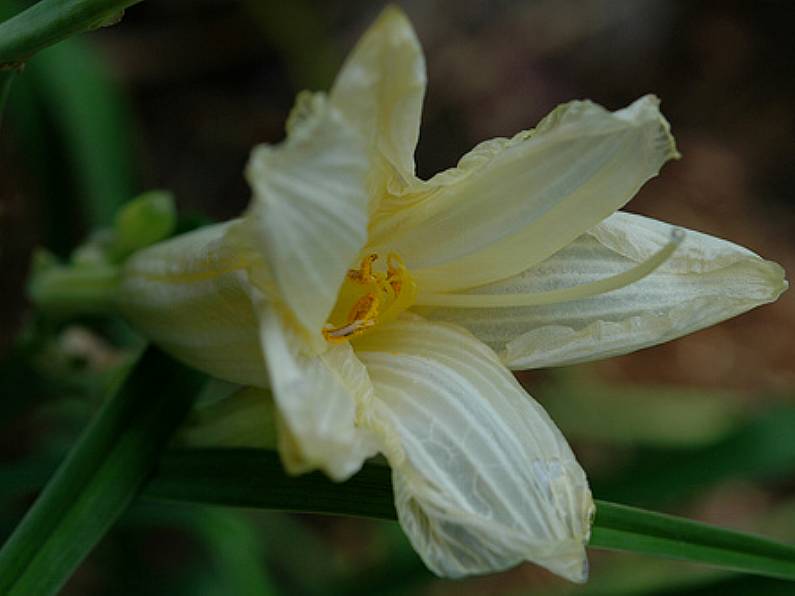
(176, 95)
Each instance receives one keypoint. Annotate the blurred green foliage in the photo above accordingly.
(74, 126)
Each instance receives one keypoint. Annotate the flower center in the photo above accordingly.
(368, 298)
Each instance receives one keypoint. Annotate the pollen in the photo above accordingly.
(369, 298)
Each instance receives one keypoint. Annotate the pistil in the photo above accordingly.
(587, 290)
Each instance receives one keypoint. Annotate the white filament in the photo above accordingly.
(595, 288)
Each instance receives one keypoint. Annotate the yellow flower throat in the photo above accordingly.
(368, 298)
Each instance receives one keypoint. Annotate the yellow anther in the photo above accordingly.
(365, 309)
(364, 274)
(368, 298)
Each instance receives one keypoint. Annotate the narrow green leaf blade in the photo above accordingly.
(618, 527)
(99, 478)
(49, 21)
(254, 478)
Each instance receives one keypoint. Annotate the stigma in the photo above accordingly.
(369, 297)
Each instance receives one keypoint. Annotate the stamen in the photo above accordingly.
(368, 298)
(346, 332)
(362, 315)
(588, 290)
(364, 274)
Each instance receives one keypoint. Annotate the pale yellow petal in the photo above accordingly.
(514, 202)
(190, 296)
(319, 398)
(309, 211)
(483, 478)
(380, 88)
(706, 281)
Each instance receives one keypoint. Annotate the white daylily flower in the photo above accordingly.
(384, 312)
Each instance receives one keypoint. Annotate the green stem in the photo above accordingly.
(99, 478)
(70, 290)
(49, 21)
(254, 478)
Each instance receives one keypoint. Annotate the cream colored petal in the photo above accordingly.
(190, 295)
(483, 478)
(207, 298)
(380, 88)
(319, 398)
(706, 281)
(309, 211)
(512, 203)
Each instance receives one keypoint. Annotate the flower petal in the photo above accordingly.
(190, 296)
(706, 281)
(309, 211)
(483, 478)
(380, 88)
(319, 398)
(512, 203)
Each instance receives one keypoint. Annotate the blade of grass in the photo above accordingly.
(254, 478)
(100, 476)
(619, 527)
(732, 586)
(49, 21)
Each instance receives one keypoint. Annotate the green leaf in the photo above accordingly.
(618, 527)
(49, 21)
(254, 478)
(99, 478)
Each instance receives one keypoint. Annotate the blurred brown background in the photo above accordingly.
(200, 82)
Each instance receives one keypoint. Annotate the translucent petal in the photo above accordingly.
(706, 281)
(309, 211)
(319, 398)
(513, 202)
(380, 88)
(190, 295)
(483, 478)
